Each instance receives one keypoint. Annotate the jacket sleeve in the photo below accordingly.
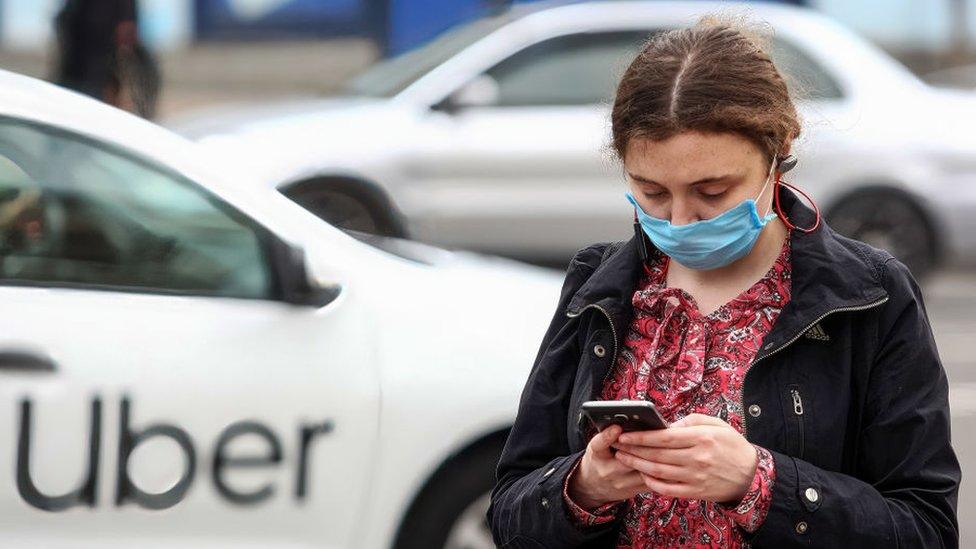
(907, 483)
(527, 505)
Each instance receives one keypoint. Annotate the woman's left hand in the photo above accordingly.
(697, 457)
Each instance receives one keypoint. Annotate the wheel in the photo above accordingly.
(341, 210)
(450, 511)
(350, 205)
(890, 221)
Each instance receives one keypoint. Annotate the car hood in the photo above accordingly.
(245, 118)
(497, 269)
(474, 305)
(287, 141)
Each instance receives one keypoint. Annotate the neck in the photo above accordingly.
(751, 267)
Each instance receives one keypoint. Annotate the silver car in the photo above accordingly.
(495, 136)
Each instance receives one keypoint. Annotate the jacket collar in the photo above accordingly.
(829, 273)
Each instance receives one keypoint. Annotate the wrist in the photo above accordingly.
(576, 487)
(749, 476)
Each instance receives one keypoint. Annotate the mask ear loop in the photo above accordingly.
(790, 161)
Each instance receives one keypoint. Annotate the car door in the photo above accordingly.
(516, 160)
(155, 388)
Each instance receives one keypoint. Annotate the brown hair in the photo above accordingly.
(713, 77)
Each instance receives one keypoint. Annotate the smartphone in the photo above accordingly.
(632, 415)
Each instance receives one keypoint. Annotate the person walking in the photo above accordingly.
(101, 55)
(807, 402)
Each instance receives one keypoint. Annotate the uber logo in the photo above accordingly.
(129, 439)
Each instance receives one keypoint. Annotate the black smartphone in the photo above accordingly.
(632, 415)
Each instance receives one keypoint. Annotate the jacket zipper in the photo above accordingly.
(745, 377)
(798, 412)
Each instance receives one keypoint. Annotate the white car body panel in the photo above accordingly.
(412, 362)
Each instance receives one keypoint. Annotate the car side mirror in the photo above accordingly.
(483, 91)
(294, 284)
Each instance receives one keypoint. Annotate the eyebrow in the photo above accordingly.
(711, 179)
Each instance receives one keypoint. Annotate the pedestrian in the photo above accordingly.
(840, 437)
(101, 55)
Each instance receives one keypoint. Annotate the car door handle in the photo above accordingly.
(25, 361)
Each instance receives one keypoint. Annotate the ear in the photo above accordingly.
(785, 150)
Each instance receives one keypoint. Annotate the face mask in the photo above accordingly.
(709, 243)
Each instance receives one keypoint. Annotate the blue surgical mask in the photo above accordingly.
(709, 243)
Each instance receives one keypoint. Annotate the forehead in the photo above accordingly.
(689, 156)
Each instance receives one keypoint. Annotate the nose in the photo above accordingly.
(682, 212)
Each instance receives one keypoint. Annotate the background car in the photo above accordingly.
(961, 77)
(494, 137)
(191, 361)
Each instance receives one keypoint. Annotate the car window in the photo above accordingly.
(575, 69)
(76, 212)
(805, 78)
(390, 77)
(584, 68)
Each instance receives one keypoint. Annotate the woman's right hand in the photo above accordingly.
(600, 477)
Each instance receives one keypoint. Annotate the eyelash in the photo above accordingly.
(706, 196)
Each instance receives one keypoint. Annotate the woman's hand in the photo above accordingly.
(697, 457)
(601, 478)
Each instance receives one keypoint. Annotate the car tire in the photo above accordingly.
(350, 204)
(450, 511)
(890, 220)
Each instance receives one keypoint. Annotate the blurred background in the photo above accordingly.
(481, 124)
(215, 51)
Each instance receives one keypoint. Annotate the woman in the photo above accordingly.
(839, 434)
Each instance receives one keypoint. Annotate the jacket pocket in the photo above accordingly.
(795, 413)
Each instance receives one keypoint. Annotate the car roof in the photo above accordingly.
(860, 67)
(686, 8)
(36, 101)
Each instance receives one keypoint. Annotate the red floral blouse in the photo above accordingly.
(686, 362)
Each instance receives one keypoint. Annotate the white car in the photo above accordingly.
(188, 361)
(494, 136)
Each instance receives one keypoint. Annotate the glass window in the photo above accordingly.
(580, 69)
(576, 69)
(390, 77)
(805, 78)
(75, 212)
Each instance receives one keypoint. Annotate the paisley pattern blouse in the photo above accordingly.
(686, 362)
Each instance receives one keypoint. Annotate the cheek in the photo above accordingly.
(657, 208)
(708, 209)
(688, 210)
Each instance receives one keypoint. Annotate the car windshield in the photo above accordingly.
(390, 77)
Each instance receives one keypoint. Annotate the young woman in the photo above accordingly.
(807, 401)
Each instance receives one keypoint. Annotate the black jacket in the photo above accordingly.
(853, 344)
